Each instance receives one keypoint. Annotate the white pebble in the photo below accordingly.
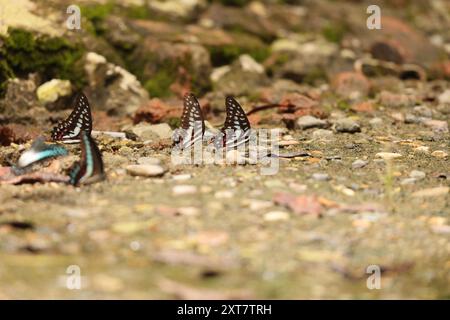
(276, 216)
(388, 155)
(184, 189)
(145, 170)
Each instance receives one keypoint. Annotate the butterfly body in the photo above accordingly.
(192, 127)
(69, 130)
(90, 169)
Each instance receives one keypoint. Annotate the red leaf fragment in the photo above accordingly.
(300, 204)
(8, 177)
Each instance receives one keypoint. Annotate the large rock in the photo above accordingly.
(351, 85)
(114, 89)
(242, 77)
(152, 131)
(22, 14)
(165, 67)
(51, 90)
(401, 43)
(261, 18)
(302, 59)
(20, 103)
(223, 46)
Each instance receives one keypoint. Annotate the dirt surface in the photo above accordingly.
(133, 238)
(369, 107)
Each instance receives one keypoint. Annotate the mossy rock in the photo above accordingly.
(98, 13)
(23, 52)
(242, 44)
(158, 65)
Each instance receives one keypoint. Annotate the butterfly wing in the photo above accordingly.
(192, 123)
(236, 129)
(90, 169)
(40, 151)
(79, 120)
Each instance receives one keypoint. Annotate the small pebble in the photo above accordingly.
(422, 149)
(276, 216)
(388, 155)
(306, 122)
(135, 245)
(145, 170)
(418, 175)
(256, 205)
(288, 143)
(347, 125)
(125, 151)
(224, 194)
(320, 176)
(431, 192)
(288, 137)
(398, 116)
(443, 229)
(439, 154)
(357, 164)
(408, 181)
(423, 111)
(375, 122)
(444, 98)
(410, 118)
(184, 189)
(182, 177)
(188, 211)
(437, 125)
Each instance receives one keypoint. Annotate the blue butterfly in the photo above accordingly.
(90, 169)
(38, 152)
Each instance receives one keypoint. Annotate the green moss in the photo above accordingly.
(174, 122)
(200, 84)
(97, 13)
(138, 12)
(222, 55)
(159, 84)
(314, 74)
(5, 74)
(334, 32)
(343, 105)
(52, 57)
(279, 59)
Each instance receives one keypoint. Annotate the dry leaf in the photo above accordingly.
(299, 204)
(8, 177)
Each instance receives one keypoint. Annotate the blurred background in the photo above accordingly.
(134, 58)
(364, 90)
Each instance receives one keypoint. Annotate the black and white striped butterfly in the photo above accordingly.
(236, 129)
(69, 130)
(192, 126)
(90, 169)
